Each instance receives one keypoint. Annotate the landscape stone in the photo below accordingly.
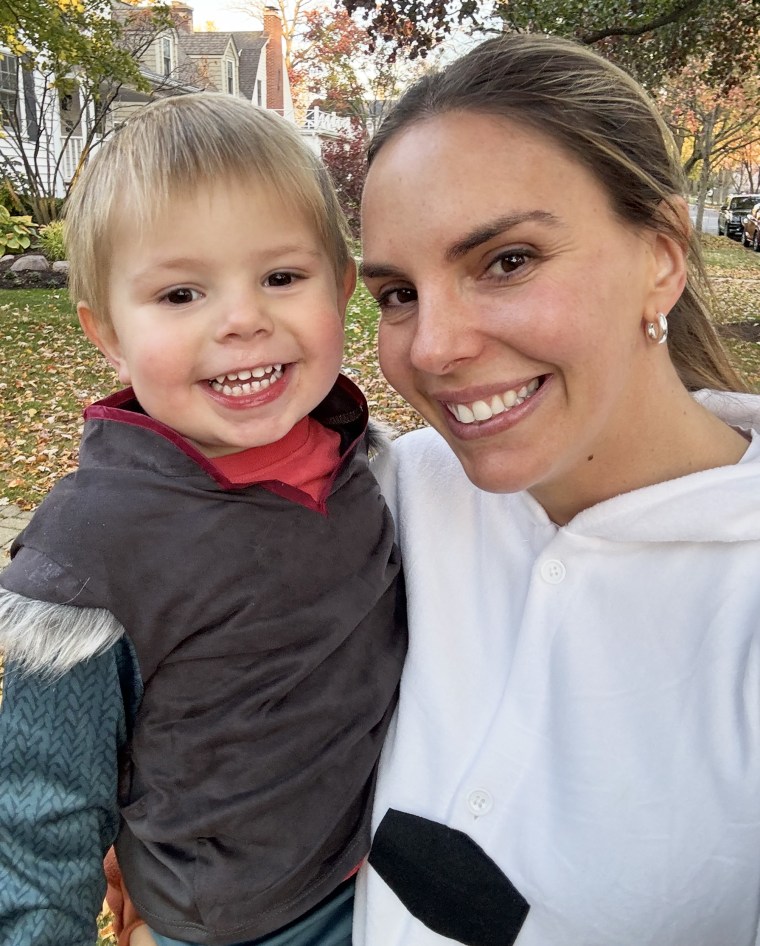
(33, 261)
(61, 266)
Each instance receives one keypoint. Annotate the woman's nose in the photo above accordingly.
(445, 333)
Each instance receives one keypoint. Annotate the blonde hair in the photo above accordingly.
(603, 118)
(170, 148)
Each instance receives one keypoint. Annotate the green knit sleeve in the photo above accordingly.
(59, 744)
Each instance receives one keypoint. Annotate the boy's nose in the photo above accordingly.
(244, 318)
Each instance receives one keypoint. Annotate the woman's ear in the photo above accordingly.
(103, 336)
(670, 249)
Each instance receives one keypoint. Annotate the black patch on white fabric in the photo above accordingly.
(447, 881)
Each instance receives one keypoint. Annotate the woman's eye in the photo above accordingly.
(393, 298)
(182, 295)
(508, 263)
(279, 279)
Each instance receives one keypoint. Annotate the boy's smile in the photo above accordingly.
(226, 317)
(239, 384)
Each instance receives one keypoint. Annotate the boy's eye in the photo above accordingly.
(182, 295)
(279, 279)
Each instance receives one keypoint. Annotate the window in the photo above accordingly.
(259, 92)
(8, 88)
(166, 56)
(743, 203)
(71, 114)
(230, 66)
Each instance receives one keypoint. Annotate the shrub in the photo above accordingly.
(346, 161)
(50, 241)
(10, 197)
(15, 232)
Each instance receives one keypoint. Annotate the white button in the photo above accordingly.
(479, 802)
(553, 571)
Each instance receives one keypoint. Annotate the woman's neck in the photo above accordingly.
(674, 437)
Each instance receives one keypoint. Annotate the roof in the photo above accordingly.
(204, 44)
(251, 45)
(248, 43)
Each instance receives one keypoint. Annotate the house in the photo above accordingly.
(46, 133)
(250, 64)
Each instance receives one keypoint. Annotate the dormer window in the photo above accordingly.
(165, 56)
(230, 76)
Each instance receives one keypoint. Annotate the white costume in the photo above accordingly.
(582, 702)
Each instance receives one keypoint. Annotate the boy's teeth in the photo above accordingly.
(498, 404)
(261, 378)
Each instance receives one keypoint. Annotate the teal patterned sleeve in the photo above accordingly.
(59, 745)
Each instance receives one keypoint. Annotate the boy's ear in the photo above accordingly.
(346, 287)
(103, 337)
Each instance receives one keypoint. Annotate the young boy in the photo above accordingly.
(210, 606)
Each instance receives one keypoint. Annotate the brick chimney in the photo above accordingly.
(275, 61)
(182, 16)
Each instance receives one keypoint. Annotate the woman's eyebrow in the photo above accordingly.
(378, 271)
(494, 228)
(469, 241)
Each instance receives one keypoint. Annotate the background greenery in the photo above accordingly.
(49, 372)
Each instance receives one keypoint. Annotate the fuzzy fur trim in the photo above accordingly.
(379, 436)
(50, 639)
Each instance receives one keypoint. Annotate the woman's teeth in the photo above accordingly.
(485, 410)
(250, 381)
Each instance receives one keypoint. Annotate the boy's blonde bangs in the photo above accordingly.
(171, 148)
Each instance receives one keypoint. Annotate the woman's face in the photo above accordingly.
(512, 303)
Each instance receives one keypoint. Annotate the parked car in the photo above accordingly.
(732, 213)
(751, 229)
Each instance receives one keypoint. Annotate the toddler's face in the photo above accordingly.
(226, 317)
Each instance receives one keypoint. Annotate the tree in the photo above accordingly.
(59, 36)
(748, 163)
(73, 58)
(715, 127)
(651, 38)
(344, 70)
(293, 18)
(345, 159)
(348, 75)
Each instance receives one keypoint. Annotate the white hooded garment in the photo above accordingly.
(583, 702)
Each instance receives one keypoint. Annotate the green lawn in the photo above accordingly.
(49, 372)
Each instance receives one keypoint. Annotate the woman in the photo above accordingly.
(576, 760)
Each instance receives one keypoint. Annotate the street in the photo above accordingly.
(709, 219)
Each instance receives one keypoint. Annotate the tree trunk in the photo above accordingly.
(704, 174)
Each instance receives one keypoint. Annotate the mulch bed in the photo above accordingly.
(30, 278)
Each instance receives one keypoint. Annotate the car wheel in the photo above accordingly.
(720, 232)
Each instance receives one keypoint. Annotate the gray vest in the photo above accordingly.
(270, 638)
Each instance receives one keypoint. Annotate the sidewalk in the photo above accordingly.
(12, 521)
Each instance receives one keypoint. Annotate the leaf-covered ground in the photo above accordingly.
(49, 372)
(735, 276)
